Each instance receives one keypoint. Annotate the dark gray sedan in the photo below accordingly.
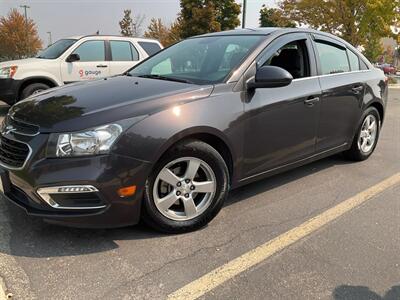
(167, 140)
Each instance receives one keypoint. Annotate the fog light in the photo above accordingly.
(127, 191)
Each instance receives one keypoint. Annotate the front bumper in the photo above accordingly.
(9, 90)
(107, 173)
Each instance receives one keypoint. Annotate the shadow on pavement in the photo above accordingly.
(270, 183)
(349, 292)
(31, 237)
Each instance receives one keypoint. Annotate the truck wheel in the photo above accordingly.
(33, 89)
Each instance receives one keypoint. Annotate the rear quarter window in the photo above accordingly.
(354, 61)
(150, 47)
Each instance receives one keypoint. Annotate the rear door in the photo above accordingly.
(124, 56)
(282, 122)
(342, 93)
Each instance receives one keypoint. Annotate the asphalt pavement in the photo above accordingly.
(352, 257)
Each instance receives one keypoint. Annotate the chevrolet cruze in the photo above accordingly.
(168, 139)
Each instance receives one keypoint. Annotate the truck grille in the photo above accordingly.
(13, 154)
(20, 127)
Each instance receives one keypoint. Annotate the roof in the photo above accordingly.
(246, 31)
(78, 37)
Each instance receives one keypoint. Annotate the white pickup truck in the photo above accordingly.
(71, 60)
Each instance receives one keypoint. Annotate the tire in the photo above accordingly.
(357, 152)
(32, 89)
(212, 176)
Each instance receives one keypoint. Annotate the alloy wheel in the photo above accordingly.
(184, 188)
(368, 134)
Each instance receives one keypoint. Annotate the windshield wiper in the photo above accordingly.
(162, 77)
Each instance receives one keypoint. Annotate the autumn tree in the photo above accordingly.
(203, 16)
(131, 26)
(167, 35)
(360, 22)
(274, 17)
(18, 38)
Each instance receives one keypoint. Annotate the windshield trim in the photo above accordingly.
(230, 74)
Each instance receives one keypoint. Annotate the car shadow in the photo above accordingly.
(31, 237)
(282, 179)
(349, 292)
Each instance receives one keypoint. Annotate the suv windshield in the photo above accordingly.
(202, 60)
(56, 49)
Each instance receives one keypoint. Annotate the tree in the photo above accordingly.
(227, 14)
(203, 16)
(273, 17)
(354, 20)
(166, 35)
(18, 38)
(131, 26)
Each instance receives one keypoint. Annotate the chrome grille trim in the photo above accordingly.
(6, 166)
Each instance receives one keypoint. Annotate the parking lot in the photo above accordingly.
(354, 256)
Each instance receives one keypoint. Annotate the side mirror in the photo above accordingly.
(270, 77)
(73, 57)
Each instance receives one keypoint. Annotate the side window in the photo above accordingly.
(363, 65)
(135, 53)
(123, 51)
(333, 58)
(150, 48)
(354, 61)
(292, 57)
(91, 51)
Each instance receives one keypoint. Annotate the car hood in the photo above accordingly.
(23, 62)
(84, 105)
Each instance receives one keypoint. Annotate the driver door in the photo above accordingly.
(92, 63)
(282, 122)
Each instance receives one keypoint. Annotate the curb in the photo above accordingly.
(394, 86)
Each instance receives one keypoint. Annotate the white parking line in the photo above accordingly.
(218, 276)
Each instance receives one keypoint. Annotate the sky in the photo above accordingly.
(78, 17)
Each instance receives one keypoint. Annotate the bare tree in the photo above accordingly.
(131, 26)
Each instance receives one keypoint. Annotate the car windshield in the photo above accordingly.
(202, 60)
(56, 49)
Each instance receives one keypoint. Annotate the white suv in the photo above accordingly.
(71, 60)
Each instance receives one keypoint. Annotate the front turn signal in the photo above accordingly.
(127, 191)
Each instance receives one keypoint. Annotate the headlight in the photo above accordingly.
(94, 141)
(8, 72)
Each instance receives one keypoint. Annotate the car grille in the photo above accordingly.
(13, 154)
(20, 127)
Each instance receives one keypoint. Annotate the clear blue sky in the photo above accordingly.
(76, 17)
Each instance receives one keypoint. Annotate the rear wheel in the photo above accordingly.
(367, 136)
(187, 188)
(32, 89)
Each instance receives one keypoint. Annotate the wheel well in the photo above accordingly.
(215, 142)
(45, 81)
(379, 107)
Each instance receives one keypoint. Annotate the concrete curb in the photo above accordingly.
(394, 86)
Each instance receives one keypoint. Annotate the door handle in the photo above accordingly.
(102, 66)
(311, 101)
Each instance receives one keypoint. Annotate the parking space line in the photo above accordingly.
(218, 276)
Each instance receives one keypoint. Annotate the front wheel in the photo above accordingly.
(367, 136)
(187, 188)
(32, 89)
